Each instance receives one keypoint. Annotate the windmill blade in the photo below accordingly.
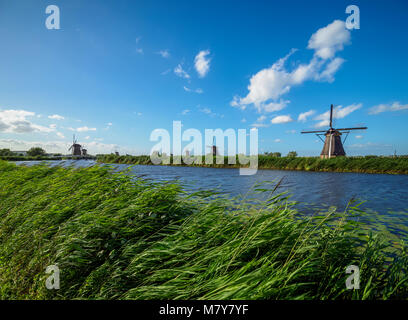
(357, 128)
(313, 131)
(70, 148)
(331, 116)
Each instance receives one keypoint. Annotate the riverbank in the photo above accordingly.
(368, 164)
(114, 237)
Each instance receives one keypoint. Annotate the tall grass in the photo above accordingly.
(117, 237)
(368, 164)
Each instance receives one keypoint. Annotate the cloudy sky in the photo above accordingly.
(117, 70)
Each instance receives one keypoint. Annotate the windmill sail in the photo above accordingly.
(75, 147)
(333, 146)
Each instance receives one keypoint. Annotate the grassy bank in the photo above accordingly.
(368, 164)
(114, 237)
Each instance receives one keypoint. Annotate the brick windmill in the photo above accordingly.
(333, 146)
(214, 148)
(76, 148)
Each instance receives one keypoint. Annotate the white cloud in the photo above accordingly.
(339, 112)
(260, 122)
(199, 90)
(206, 110)
(330, 39)
(370, 145)
(164, 53)
(139, 50)
(202, 63)
(281, 119)
(304, 115)
(268, 85)
(395, 106)
(109, 124)
(277, 140)
(56, 117)
(210, 112)
(274, 106)
(59, 134)
(243, 120)
(260, 125)
(291, 131)
(15, 121)
(359, 137)
(85, 129)
(261, 119)
(185, 112)
(180, 72)
(331, 69)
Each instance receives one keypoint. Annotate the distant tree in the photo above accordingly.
(6, 152)
(36, 151)
(292, 154)
(273, 154)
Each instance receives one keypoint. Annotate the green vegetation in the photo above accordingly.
(292, 154)
(6, 152)
(36, 151)
(117, 237)
(368, 164)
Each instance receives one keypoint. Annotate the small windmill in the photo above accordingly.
(333, 146)
(76, 149)
(214, 148)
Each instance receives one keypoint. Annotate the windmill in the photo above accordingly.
(214, 148)
(333, 146)
(75, 148)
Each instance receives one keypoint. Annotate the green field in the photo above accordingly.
(114, 237)
(368, 164)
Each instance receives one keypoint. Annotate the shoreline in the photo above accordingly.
(226, 166)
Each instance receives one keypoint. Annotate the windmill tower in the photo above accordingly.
(214, 148)
(333, 146)
(76, 149)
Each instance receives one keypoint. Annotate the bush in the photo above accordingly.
(36, 151)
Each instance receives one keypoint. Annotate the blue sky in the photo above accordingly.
(117, 70)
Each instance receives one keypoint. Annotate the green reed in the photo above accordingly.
(114, 236)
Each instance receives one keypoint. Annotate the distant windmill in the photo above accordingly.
(214, 148)
(333, 146)
(75, 148)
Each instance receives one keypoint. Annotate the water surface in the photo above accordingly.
(382, 192)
